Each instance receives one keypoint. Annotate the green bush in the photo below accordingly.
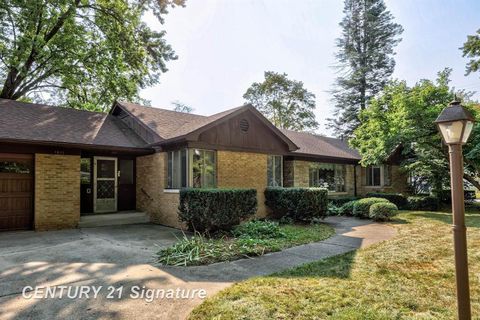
(340, 201)
(207, 210)
(396, 198)
(382, 211)
(361, 208)
(333, 210)
(300, 204)
(446, 196)
(424, 203)
(258, 229)
(193, 250)
(347, 208)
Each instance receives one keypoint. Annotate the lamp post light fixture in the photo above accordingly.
(455, 123)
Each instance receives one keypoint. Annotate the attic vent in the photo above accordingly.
(244, 125)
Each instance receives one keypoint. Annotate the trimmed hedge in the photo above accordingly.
(425, 203)
(347, 208)
(382, 211)
(300, 204)
(340, 201)
(361, 208)
(206, 210)
(396, 198)
(446, 196)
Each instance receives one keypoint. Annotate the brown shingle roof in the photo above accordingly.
(168, 124)
(315, 145)
(42, 123)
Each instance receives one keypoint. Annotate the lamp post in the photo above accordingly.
(455, 123)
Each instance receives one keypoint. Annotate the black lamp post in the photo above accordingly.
(455, 123)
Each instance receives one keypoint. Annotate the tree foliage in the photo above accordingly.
(404, 116)
(181, 107)
(471, 49)
(285, 102)
(365, 59)
(80, 53)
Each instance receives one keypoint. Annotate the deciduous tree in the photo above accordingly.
(404, 116)
(81, 53)
(283, 101)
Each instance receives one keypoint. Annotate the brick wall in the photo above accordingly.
(243, 170)
(151, 196)
(296, 174)
(398, 184)
(57, 191)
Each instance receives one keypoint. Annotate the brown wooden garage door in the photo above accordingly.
(16, 191)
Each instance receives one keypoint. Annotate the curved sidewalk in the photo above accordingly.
(122, 257)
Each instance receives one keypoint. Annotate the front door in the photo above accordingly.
(105, 184)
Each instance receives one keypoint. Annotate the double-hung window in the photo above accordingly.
(374, 176)
(177, 169)
(275, 171)
(191, 168)
(328, 175)
(378, 176)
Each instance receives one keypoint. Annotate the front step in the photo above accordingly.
(113, 219)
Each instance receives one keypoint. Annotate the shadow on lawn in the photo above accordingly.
(339, 267)
(472, 220)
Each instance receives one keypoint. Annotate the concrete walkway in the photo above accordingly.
(121, 257)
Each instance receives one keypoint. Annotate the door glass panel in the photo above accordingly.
(105, 169)
(105, 189)
(85, 170)
(126, 172)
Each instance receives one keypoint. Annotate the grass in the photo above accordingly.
(242, 243)
(408, 277)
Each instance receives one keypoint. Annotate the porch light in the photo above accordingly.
(455, 124)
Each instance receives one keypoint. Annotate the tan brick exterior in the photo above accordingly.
(297, 172)
(151, 196)
(57, 191)
(234, 170)
(398, 184)
(243, 170)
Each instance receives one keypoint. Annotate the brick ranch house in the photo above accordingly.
(58, 164)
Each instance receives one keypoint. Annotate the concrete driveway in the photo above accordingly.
(118, 262)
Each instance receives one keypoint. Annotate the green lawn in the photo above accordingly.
(198, 250)
(408, 277)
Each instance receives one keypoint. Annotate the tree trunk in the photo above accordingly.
(472, 181)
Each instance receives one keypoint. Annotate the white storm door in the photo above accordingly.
(105, 184)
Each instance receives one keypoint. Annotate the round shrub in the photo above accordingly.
(361, 208)
(347, 208)
(382, 211)
(396, 198)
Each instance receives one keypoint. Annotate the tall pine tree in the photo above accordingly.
(365, 60)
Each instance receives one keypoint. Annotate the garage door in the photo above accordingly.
(16, 191)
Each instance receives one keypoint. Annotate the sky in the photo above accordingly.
(223, 46)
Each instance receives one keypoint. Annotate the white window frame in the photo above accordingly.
(167, 187)
(382, 182)
(273, 171)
